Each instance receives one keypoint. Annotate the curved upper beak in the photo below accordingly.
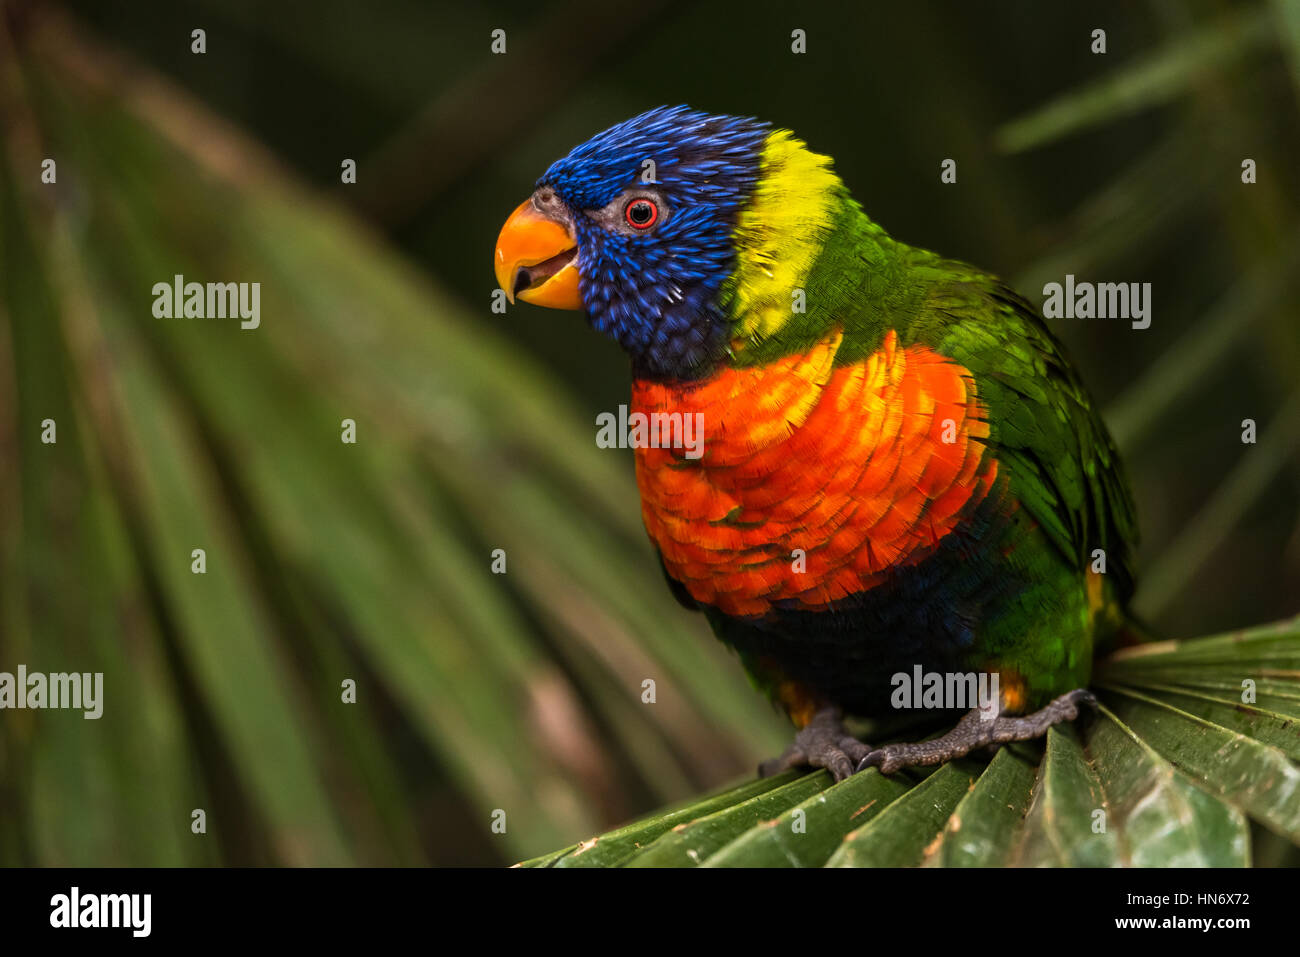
(536, 260)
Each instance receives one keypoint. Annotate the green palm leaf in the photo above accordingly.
(1161, 774)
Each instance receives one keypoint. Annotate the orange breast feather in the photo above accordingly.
(860, 468)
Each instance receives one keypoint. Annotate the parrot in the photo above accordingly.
(899, 470)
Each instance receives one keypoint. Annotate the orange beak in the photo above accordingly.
(536, 260)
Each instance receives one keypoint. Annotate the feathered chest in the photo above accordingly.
(809, 481)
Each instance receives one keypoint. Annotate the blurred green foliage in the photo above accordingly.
(326, 561)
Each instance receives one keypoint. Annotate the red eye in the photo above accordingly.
(641, 213)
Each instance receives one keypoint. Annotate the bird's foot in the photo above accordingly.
(824, 743)
(977, 729)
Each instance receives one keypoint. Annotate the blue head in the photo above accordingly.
(636, 227)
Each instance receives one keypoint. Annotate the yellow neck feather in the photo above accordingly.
(779, 236)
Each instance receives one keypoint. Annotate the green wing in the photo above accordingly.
(1046, 430)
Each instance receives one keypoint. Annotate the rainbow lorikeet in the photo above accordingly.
(899, 466)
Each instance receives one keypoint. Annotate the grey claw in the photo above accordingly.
(873, 759)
